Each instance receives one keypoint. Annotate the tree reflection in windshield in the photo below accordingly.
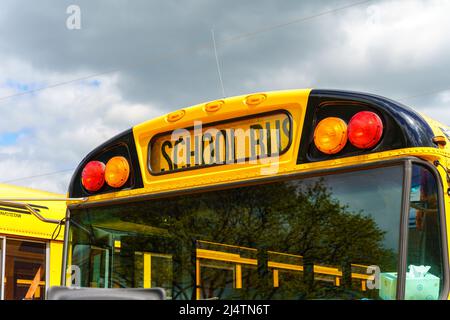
(298, 239)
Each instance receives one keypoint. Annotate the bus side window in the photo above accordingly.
(424, 277)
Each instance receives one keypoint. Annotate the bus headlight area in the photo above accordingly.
(179, 204)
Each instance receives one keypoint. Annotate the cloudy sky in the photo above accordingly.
(63, 92)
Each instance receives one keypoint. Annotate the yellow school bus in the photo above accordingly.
(31, 242)
(299, 194)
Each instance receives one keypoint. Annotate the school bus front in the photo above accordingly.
(299, 194)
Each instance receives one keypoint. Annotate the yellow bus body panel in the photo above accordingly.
(18, 223)
(23, 223)
(55, 263)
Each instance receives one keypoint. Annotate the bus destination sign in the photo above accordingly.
(243, 140)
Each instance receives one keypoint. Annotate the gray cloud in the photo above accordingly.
(163, 58)
(163, 49)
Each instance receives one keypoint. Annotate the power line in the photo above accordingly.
(56, 85)
(179, 52)
(299, 20)
(66, 170)
(37, 176)
(237, 37)
(422, 94)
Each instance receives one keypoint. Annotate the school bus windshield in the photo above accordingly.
(315, 238)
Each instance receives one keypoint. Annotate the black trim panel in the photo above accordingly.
(121, 145)
(403, 127)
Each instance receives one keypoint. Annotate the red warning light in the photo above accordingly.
(93, 176)
(365, 129)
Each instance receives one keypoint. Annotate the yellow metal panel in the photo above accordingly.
(55, 261)
(213, 176)
(147, 270)
(238, 275)
(238, 260)
(28, 282)
(293, 101)
(224, 256)
(198, 281)
(437, 128)
(19, 222)
(276, 281)
(363, 286)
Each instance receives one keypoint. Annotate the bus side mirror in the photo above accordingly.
(76, 293)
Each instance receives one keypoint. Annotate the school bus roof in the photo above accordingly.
(405, 131)
(19, 221)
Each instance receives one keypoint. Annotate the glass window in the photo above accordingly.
(326, 237)
(24, 270)
(424, 276)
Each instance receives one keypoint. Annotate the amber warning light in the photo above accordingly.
(364, 131)
(117, 172)
(330, 135)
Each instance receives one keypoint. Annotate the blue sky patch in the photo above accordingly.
(19, 86)
(94, 83)
(10, 138)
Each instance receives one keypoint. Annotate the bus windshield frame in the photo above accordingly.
(405, 163)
